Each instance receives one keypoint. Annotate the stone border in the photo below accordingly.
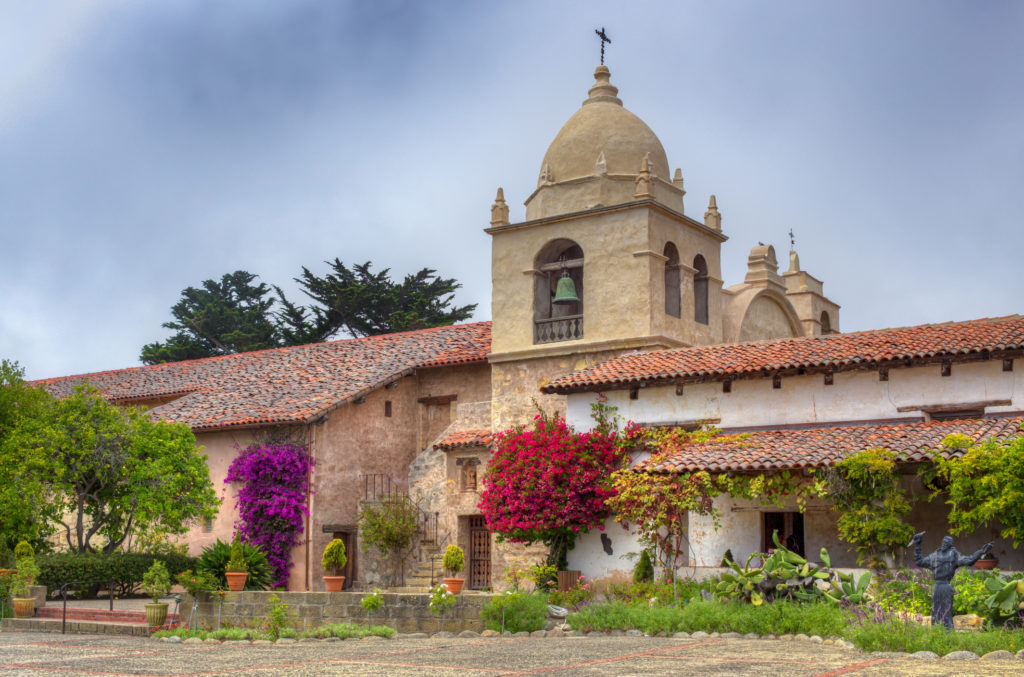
(563, 631)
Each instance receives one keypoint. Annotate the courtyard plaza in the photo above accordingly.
(24, 654)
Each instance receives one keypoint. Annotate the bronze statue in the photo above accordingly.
(943, 563)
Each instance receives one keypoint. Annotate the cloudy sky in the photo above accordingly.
(147, 146)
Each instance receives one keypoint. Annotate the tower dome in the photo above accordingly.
(597, 155)
(603, 126)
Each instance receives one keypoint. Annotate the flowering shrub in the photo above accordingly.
(272, 501)
(547, 483)
(196, 582)
(574, 599)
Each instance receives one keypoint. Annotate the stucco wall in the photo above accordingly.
(220, 448)
(854, 396)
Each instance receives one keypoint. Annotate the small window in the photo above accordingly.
(208, 526)
(387, 408)
(467, 473)
(950, 414)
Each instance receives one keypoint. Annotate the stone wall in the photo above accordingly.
(403, 612)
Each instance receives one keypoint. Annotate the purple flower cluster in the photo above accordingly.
(272, 501)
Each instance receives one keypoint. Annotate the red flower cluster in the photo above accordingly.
(549, 480)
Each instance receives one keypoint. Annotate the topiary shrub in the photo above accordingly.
(214, 561)
(454, 560)
(156, 582)
(524, 611)
(644, 570)
(236, 563)
(334, 558)
(23, 551)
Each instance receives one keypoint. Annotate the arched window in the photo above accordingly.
(672, 293)
(826, 323)
(700, 289)
(562, 321)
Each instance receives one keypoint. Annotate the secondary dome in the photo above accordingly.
(602, 125)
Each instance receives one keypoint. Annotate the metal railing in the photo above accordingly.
(556, 329)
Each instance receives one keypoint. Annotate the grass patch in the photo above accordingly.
(894, 634)
(778, 618)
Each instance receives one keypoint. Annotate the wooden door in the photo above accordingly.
(349, 570)
(479, 554)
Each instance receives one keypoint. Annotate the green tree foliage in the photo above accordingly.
(985, 485)
(21, 502)
(230, 316)
(111, 472)
(360, 302)
(236, 314)
(865, 489)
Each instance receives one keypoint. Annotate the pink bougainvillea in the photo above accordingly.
(547, 483)
(272, 500)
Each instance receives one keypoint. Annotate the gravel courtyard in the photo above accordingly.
(42, 655)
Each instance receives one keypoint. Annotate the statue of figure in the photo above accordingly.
(943, 563)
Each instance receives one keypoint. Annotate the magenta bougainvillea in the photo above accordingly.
(547, 483)
(271, 502)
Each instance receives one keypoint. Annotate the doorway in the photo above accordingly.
(350, 569)
(790, 526)
(479, 554)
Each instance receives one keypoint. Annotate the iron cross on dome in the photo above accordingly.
(604, 38)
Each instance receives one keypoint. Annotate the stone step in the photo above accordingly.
(80, 627)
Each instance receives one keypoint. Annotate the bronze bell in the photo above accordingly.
(565, 292)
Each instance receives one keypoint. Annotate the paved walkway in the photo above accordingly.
(42, 655)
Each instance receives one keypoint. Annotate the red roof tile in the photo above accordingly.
(835, 351)
(465, 438)
(284, 385)
(821, 446)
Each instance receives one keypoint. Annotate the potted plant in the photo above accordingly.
(987, 561)
(333, 561)
(453, 563)
(156, 583)
(27, 573)
(236, 570)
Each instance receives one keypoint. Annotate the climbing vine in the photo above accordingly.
(271, 502)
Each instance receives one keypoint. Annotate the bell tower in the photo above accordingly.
(605, 262)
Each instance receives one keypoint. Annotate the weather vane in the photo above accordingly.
(792, 240)
(604, 39)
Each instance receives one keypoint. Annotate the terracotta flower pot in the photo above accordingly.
(236, 580)
(454, 585)
(334, 583)
(986, 564)
(24, 607)
(156, 614)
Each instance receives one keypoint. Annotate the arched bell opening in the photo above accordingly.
(673, 294)
(558, 292)
(826, 323)
(700, 290)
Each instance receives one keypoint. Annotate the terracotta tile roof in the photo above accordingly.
(284, 385)
(821, 446)
(837, 351)
(465, 438)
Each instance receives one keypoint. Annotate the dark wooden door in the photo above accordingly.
(349, 571)
(479, 554)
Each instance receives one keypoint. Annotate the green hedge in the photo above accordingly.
(95, 570)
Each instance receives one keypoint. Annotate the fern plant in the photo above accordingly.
(214, 561)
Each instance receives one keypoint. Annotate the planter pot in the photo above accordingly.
(236, 580)
(567, 580)
(334, 583)
(986, 564)
(156, 614)
(24, 607)
(454, 585)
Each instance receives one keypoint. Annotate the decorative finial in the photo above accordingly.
(643, 179)
(712, 219)
(499, 210)
(677, 181)
(604, 38)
